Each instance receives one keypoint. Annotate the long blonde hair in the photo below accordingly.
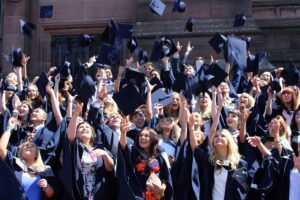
(232, 151)
(204, 112)
(38, 162)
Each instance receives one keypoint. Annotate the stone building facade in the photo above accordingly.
(274, 25)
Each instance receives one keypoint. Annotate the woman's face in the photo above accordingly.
(197, 119)
(203, 100)
(144, 140)
(29, 151)
(84, 132)
(67, 86)
(148, 70)
(220, 140)
(224, 88)
(11, 78)
(286, 97)
(139, 119)
(232, 121)
(175, 102)
(31, 92)
(166, 123)
(266, 76)
(273, 125)
(243, 101)
(23, 110)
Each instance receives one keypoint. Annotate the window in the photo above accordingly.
(63, 46)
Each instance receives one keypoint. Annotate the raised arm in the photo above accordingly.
(243, 125)
(54, 104)
(73, 122)
(193, 140)
(118, 80)
(256, 142)
(125, 125)
(149, 100)
(69, 105)
(5, 137)
(19, 78)
(269, 102)
(56, 85)
(215, 118)
(2, 102)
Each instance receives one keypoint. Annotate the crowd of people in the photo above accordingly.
(181, 132)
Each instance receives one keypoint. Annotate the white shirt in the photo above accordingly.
(219, 188)
(294, 185)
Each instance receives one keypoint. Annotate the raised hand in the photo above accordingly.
(125, 126)
(178, 46)
(254, 141)
(189, 48)
(25, 59)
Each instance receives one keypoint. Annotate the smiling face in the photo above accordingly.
(38, 116)
(144, 140)
(84, 133)
(29, 151)
(31, 92)
(203, 100)
(175, 101)
(148, 68)
(266, 76)
(232, 120)
(220, 140)
(139, 119)
(23, 110)
(224, 88)
(166, 123)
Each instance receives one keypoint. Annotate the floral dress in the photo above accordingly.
(88, 169)
(143, 172)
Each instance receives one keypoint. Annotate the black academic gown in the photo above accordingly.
(71, 175)
(128, 184)
(185, 175)
(10, 181)
(237, 180)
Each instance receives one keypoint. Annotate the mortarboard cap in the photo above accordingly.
(163, 47)
(46, 11)
(17, 57)
(85, 40)
(132, 76)
(157, 7)
(143, 56)
(9, 87)
(86, 88)
(157, 82)
(41, 84)
(160, 97)
(178, 6)
(252, 64)
(26, 27)
(128, 99)
(215, 75)
(106, 54)
(65, 70)
(125, 30)
(218, 42)
(236, 52)
(239, 20)
(132, 44)
(189, 24)
(291, 74)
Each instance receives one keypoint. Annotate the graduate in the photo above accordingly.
(25, 175)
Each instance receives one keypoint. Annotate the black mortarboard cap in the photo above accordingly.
(178, 6)
(157, 82)
(128, 99)
(86, 88)
(132, 44)
(189, 24)
(9, 87)
(291, 74)
(143, 56)
(46, 11)
(236, 52)
(125, 30)
(106, 54)
(17, 57)
(170, 46)
(218, 42)
(157, 7)
(156, 51)
(41, 84)
(85, 40)
(253, 64)
(239, 20)
(163, 47)
(215, 75)
(132, 76)
(275, 85)
(26, 27)
(65, 70)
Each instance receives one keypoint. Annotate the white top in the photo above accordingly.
(220, 177)
(294, 185)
